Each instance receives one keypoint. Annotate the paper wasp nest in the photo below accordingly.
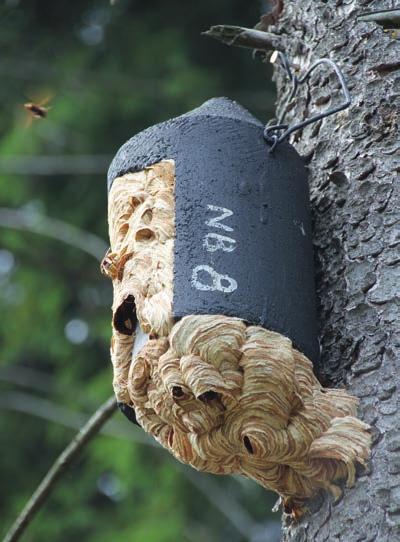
(220, 395)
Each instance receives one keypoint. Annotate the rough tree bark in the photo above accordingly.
(354, 160)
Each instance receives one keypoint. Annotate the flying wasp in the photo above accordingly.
(37, 110)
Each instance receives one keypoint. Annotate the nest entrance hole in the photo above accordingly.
(125, 318)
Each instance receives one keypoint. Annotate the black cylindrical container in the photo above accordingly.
(243, 244)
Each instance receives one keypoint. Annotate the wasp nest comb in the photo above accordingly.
(220, 395)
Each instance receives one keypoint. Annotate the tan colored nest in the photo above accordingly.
(218, 394)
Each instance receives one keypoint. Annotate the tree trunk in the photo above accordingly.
(353, 160)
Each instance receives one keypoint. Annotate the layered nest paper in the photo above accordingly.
(220, 395)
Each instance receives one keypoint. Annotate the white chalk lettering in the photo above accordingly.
(216, 221)
(205, 277)
(214, 241)
(222, 283)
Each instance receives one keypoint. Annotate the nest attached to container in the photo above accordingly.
(220, 395)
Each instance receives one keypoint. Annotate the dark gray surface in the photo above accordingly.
(160, 141)
(223, 160)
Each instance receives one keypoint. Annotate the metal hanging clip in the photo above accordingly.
(277, 133)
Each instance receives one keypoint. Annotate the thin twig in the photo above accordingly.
(86, 433)
(48, 410)
(246, 37)
(26, 377)
(221, 499)
(64, 164)
(388, 18)
(29, 404)
(21, 219)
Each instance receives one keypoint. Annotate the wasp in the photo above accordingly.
(113, 264)
(37, 110)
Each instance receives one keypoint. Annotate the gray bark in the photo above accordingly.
(354, 162)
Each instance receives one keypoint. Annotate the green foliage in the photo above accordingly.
(112, 70)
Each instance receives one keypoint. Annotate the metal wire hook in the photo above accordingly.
(275, 138)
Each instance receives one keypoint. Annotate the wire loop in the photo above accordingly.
(273, 133)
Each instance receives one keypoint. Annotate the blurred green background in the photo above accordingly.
(110, 69)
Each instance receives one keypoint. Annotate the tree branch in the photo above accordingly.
(86, 433)
(229, 507)
(49, 410)
(388, 18)
(20, 219)
(77, 164)
(25, 377)
(246, 37)
(46, 409)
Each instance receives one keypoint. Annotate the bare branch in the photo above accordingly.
(49, 410)
(86, 433)
(388, 18)
(45, 409)
(246, 37)
(20, 219)
(55, 165)
(228, 506)
(26, 377)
